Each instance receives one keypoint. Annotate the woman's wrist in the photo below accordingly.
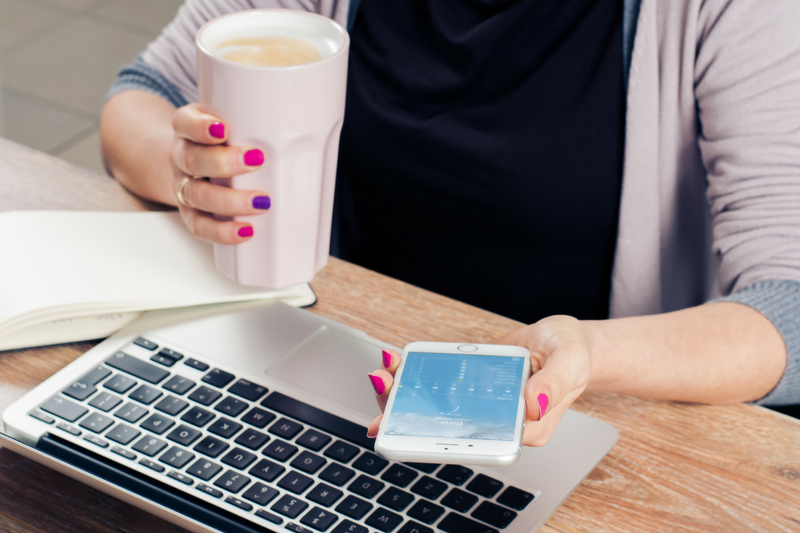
(603, 373)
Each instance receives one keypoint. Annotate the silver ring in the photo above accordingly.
(181, 199)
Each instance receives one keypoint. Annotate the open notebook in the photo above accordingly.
(72, 275)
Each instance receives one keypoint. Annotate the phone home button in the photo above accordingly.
(467, 348)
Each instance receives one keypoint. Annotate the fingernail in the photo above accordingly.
(377, 384)
(246, 231)
(387, 359)
(371, 436)
(254, 158)
(217, 130)
(543, 401)
(262, 202)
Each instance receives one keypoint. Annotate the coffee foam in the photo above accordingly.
(269, 51)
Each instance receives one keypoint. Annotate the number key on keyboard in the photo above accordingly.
(413, 527)
(204, 469)
(232, 481)
(105, 402)
(247, 390)
(179, 385)
(289, 506)
(145, 394)
(131, 412)
(319, 519)
(349, 527)
(172, 405)
(120, 384)
(184, 435)
(149, 445)
(218, 378)
(260, 494)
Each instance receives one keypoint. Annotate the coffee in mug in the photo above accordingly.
(277, 95)
(269, 51)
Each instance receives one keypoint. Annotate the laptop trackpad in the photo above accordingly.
(333, 365)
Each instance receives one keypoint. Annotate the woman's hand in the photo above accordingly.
(198, 151)
(560, 363)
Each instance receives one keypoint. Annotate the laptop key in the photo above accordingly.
(124, 453)
(395, 499)
(120, 383)
(285, 428)
(399, 475)
(151, 465)
(205, 396)
(149, 446)
(105, 402)
(366, 486)
(218, 378)
(258, 417)
(428, 468)
(336, 474)
(146, 344)
(308, 462)
(197, 365)
(430, 488)
(324, 495)
(247, 390)
(485, 486)
(177, 476)
(459, 500)
(275, 519)
(425, 511)
(319, 519)
(176, 457)
(260, 494)
(267, 470)
(97, 441)
(295, 482)
(383, 519)
(224, 428)
(184, 435)
(279, 450)
(203, 469)
(370, 463)
(413, 527)
(179, 385)
(96, 422)
(123, 434)
(231, 406)
(494, 515)
(341, 451)
(38, 415)
(251, 439)
(167, 352)
(145, 394)
(172, 405)
(455, 523)
(244, 506)
(137, 368)
(211, 491)
(157, 424)
(198, 417)
(239, 459)
(455, 474)
(232, 481)
(349, 527)
(131, 412)
(85, 387)
(69, 429)
(289, 506)
(313, 440)
(163, 360)
(515, 498)
(211, 447)
(63, 408)
(355, 508)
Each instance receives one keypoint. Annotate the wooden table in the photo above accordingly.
(677, 467)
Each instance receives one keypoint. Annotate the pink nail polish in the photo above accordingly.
(254, 158)
(377, 384)
(246, 231)
(217, 130)
(369, 436)
(543, 401)
(387, 359)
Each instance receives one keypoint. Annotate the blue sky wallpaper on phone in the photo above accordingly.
(457, 396)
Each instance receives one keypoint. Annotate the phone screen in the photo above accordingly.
(457, 396)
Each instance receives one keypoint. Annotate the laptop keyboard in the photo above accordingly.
(278, 460)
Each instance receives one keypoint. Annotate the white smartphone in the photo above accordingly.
(456, 403)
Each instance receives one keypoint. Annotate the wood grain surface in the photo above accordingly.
(677, 467)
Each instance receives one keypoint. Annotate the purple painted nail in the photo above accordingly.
(217, 130)
(254, 158)
(246, 231)
(377, 384)
(262, 202)
(387, 359)
(543, 401)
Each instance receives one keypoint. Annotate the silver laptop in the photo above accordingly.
(255, 420)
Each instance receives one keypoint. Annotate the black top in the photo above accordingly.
(481, 153)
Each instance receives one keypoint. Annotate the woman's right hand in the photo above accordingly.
(199, 151)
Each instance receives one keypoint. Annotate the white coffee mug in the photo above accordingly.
(294, 115)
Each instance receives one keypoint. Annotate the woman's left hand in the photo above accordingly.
(560, 349)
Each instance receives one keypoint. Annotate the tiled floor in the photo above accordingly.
(58, 59)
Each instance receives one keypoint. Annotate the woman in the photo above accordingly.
(541, 159)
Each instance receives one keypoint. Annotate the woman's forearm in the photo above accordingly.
(136, 137)
(716, 353)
